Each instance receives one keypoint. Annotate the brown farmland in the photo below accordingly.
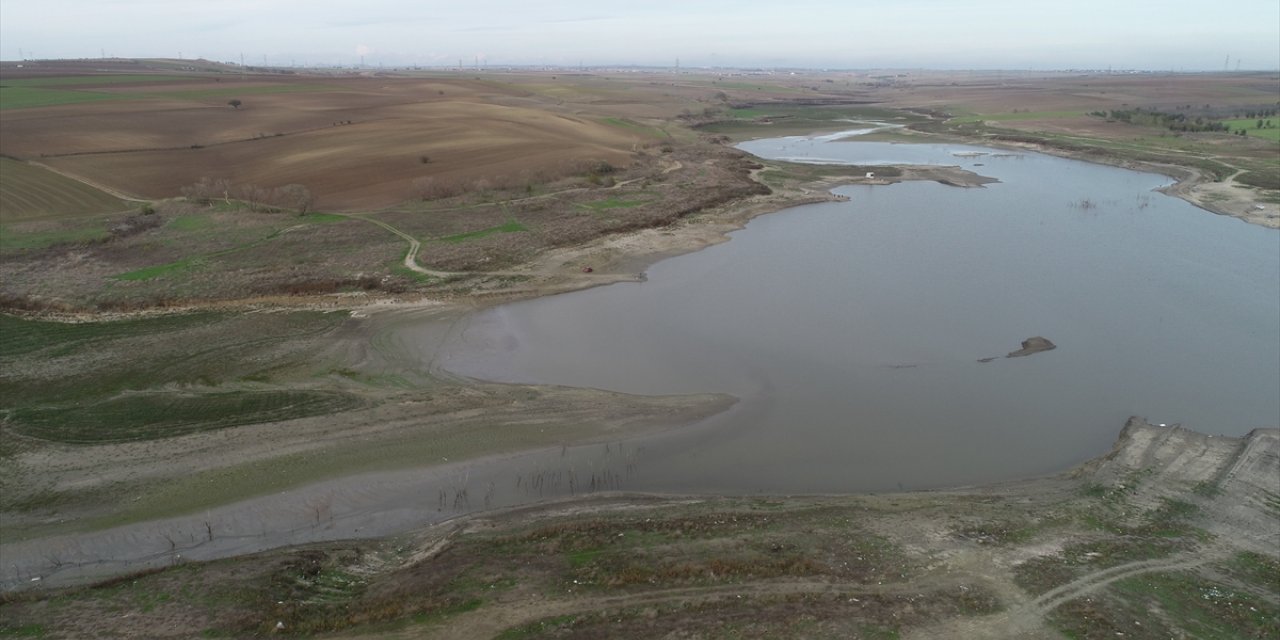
(356, 143)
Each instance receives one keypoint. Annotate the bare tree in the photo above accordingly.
(205, 190)
(294, 196)
(432, 188)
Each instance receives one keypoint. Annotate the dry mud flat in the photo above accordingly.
(1173, 533)
(435, 455)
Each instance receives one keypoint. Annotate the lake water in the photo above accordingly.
(851, 331)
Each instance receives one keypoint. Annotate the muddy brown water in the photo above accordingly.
(852, 331)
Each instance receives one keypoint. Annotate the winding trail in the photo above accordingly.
(411, 256)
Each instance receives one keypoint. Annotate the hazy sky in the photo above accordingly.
(943, 34)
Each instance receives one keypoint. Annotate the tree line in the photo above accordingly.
(1182, 122)
(293, 197)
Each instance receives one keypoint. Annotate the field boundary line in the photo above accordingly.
(85, 181)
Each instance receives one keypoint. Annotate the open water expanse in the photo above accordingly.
(852, 331)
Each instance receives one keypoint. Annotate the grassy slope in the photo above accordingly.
(143, 392)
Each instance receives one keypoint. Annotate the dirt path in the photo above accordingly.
(1019, 620)
(411, 256)
(1027, 620)
(87, 182)
(491, 621)
(1097, 580)
(411, 262)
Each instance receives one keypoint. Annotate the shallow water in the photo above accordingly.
(852, 331)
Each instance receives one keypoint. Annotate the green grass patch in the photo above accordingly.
(150, 415)
(24, 631)
(1250, 127)
(509, 227)
(29, 97)
(11, 240)
(1269, 179)
(114, 358)
(20, 337)
(1256, 569)
(632, 125)
(583, 557)
(781, 173)
(44, 92)
(189, 263)
(1167, 605)
(323, 218)
(1014, 117)
(94, 81)
(160, 270)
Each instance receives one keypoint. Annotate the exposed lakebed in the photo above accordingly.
(852, 331)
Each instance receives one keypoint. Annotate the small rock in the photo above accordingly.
(1031, 345)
